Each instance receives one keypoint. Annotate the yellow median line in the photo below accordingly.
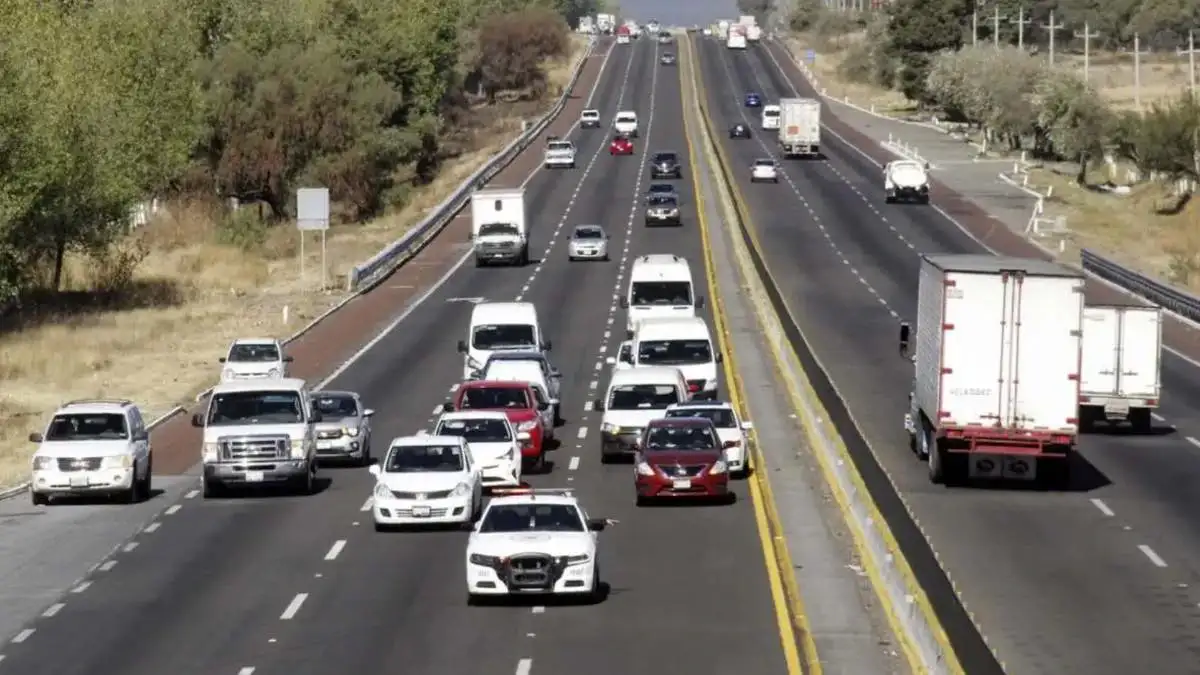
(812, 414)
(794, 633)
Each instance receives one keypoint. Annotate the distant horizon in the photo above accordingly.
(672, 12)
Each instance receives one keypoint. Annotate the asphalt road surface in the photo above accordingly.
(1097, 579)
(295, 586)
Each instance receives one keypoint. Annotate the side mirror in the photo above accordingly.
(543, 406)
(747, 425)
(523, 436)
(598, 404)
(624, 303)
(905, 338)
(141, 436)
(448, 406)
(596, 524)
(478, 524)
(700, 302)
(35, 437)
(198, 420)
(462, 347)
(221, 360)
(373, 469)
(289, 359)
(720, 358)
(316, 417)
(611, 360)
(547, 346)
(556, 373)
(554, 401)
(368, 413)
(476, 374)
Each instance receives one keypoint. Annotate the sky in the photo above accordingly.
(679, 12)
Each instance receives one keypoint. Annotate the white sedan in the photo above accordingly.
(764, 170)
(494, 443)
(731, 430)
(426, 480)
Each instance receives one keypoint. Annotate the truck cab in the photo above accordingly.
(500, 226)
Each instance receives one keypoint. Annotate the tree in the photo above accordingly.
(920, 29)
(513, 46)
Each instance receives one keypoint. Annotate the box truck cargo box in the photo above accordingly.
(1122, 356)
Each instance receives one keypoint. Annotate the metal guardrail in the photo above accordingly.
(366, 274)
(1169, 298)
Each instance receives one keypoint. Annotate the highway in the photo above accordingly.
(1098, 579)
(270, 585)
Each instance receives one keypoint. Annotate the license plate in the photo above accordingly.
(79, 481)
(681, 484)
(1117, 409)
(420, 511)
(324, 445)
(254, 476)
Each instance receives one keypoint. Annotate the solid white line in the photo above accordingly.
(173, 509)
(247, 670)
(582, 433)
(83, 586)
(152, 527)
(293, 607)
(1154, 557)
(524, 666)
(1099, 503)
(367, 504)
(335, 549)
(574, 464)
(53, 609)
(1157, 417)
(107, 565)
(24, 635)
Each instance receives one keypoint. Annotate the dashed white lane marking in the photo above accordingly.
(539, 610)
(587, 406)
(1193, 441)
(83, 586)
(152, 527)
(107, 565)
(23, 635)
(336, 549)
(293, 607)
(172, 509)
(1157, 417)
(582, 433)
(525, 666)
(1154, 557)
(191, 494)
(53, 609)
(1099, 504)
(246, 670)
(127, 548)
(367, 504)
(593, 384)
(574, 465)
(825, 232)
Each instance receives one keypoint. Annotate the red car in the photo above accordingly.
(681, 458)
(518, 401)
(621, 145)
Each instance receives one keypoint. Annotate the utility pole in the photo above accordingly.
(975, 27)
(1137, 71)
(1191, 54)
(1021, 22)
(996, 27)
(1053, 28)
(1087, 36)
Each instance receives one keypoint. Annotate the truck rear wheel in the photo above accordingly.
(937, 466)
(1141, 420)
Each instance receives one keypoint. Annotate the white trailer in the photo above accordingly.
(997, 368)
(800, 127)
(1122, 361)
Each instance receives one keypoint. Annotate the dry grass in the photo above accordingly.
(830, 54)
(193, 297)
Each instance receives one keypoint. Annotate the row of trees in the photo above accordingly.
(104, 103)
(1014, 96)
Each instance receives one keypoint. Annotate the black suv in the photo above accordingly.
(665, 165)
(739, 130)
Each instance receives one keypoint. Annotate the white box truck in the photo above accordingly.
(753, 33)
(605, 23)
(996, 369)
(500, 226)
(1122, 361)
(737, 38)
(800, 127)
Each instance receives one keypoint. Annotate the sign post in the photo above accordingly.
(312, 213)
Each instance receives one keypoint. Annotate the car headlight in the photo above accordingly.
(645, 469)
(350, 431)
(274, 372)
(298, 450)
(718, 467)
(672, 213)
(526, 426)
(382, 491)
(577, 559)
(117, 462)
(43, 463)
(211, 451)
(484, 560)
(461, 490)
(607, 428)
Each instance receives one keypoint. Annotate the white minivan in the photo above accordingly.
(633, 399)
(684, 343)
(500, 326)
(770, 116)
(660, 286)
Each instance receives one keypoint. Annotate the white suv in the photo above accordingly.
(93, 447)
(559, 154)
(589, 119)
(254, 359)
(626, 123)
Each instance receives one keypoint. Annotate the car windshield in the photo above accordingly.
(253, 353)
(255, 407)
(424, 459)
(589, 233)
(503, 336)
(559, 145)
(532, 518)
(662, 200)
(673, 352)
(626, 118)
(765, 162)
(98, 427)
(334, 408)
(497, 228)
(493, 398)
(722, 418)
(476, 431)
(662, 293)
(771, 113)
(665, 157)
(662, 188)
(642, 397)
(682, 437)
(591, 113)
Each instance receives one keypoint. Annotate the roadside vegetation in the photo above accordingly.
(1124, 175)
(151, 151)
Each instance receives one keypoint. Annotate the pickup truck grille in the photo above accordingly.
(78, 463)
(254, 448)
(497, 246)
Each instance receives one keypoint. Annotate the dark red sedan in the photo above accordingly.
(681, 458)
(621, 145)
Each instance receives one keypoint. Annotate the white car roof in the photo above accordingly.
(282, 384)
(95, 407)
(422, 441)
(700, 405)
(626, 113)
(675, 327)
(256, 341)
(905, 163)
(473, 415)
(509, 500)
(503, 313)
(649, 375)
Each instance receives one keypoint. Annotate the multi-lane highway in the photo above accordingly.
(296, 585)
(1097, 579)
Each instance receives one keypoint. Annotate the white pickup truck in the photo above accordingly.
(906, 180)
(559, 154)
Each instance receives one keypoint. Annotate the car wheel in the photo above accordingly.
(571, 258)
(365, 460)
(211, 490)
(642, 501)
(380, 527)
(306, 486)
(39, 499)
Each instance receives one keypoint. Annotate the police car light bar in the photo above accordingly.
(504, 492)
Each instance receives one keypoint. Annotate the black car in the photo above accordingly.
(662, 210)
(665, 165)
(739, 131)
(661, 190)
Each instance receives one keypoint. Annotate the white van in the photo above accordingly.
(660, 286)
(500, 326)
(684, 343)
(770, 117)
(633, 399)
